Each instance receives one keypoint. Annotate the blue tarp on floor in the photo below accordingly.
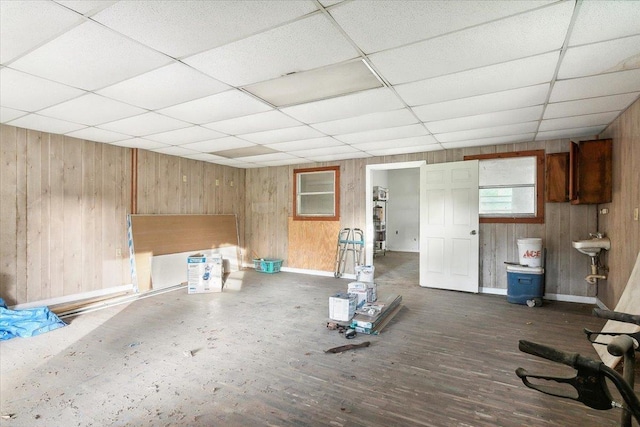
(26, 323)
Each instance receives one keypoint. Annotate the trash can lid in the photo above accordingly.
(524, 269)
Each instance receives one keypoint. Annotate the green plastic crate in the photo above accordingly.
(266, 265)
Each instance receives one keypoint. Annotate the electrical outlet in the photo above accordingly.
(119, 252)
(604, 211)
(217, 182)
(184, 178)
(231, 183)
(635, 214)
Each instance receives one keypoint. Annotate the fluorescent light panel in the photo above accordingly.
(255, 150)
(314, 85)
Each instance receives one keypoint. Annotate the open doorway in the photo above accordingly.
(397, 255)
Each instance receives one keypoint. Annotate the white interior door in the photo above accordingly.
(449, 243)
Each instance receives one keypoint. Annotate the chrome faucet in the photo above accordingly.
(596, 235)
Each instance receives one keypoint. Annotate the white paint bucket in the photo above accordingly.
(364, 273)
(530, 251)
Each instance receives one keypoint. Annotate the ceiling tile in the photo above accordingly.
(492, 132)
(416, 141)
(222, 106)
(326, 151)
(170, 85)
(508, 139)
(594, 86)
(227, 143)
(616, 55)
(144, 124)
(282, 135)
(234, 163)
(252, 151)
(497, 101)
(98, 135)
(588, 120)
(392, 151)
(590, 105)
(268, 158)
(320, 83)
(569, 133)
(306, 44)
(27, 24)
(185, 135)
(8, 114)
(141, 143)
(404, 22)
(383, 134)
(288, 162)
(305, 144)
(45, 124)
(370, 101)
(491, 43)
(258, 122)
(480, 121)
(91, 110)
(28, 93)
(205, 157)
(99, 57)
(86, 7)
(612, 19)
(371, 121)
(184, 28)
(329, 3)
(509, 75)
(175, 151)
(336, 157)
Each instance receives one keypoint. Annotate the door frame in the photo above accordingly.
(369, 231)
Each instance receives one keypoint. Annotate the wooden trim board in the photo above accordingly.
(169, 234)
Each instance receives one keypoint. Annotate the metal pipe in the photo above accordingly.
(591, 278)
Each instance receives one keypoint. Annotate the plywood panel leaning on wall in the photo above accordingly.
(171, 234)
(312, 244)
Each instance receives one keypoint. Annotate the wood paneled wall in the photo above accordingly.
(175, 185)
(64, 203)
(566, 268)
(619, 224)
(63, 215)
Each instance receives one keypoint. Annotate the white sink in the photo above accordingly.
(592, 247)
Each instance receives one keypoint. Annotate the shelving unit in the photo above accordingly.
(380, 198)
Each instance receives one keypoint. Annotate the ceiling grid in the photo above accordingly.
(178, 77)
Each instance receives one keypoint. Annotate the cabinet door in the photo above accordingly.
(591, 174)
(557, 177)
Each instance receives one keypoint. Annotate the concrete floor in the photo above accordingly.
(255, 355)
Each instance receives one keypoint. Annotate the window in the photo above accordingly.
(511, 186)
(316, 194)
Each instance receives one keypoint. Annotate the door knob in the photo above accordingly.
(473, 232)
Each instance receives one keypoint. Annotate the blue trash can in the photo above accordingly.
(525, 285)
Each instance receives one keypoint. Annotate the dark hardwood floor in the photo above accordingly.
(255, 355)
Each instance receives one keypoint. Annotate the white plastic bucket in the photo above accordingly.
(364, 273)
(530, 251)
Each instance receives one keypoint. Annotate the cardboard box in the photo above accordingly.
(380, 193)
(362, 292)
(373, 321)
(342, 306)
(204, 273)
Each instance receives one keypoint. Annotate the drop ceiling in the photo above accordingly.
(185, 78)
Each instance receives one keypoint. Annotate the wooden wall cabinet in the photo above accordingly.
(590, 171)
(557, 177)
